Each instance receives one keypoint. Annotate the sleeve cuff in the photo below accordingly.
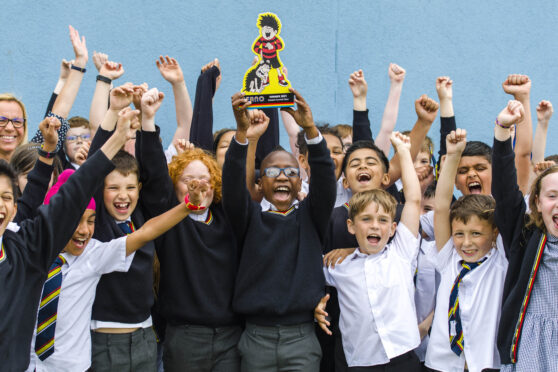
(360, 117)
(315, 140)
(240, 143)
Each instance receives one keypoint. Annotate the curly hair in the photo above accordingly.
(535, 217)
(181, 161)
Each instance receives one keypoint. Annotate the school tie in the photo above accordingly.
(46, 319)
(454, 324)
(126, 227)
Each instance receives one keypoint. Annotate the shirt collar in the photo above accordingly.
(70, 259)
(358, 254)
(267, 206)
(199, 217)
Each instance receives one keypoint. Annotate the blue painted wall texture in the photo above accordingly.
(477, 43)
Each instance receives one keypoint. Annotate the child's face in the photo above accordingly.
(223, 146)
(364, 171)
(280, 191)
(195, 170)
(372, 228)
(336, 152)
(74, 140)
(422, 161)
(474, 175)
(8, 206)
(121, 194)
(82, 235)
(268, 32)
(474, 239)
(547, 202)
(426, 205)
(347, 142)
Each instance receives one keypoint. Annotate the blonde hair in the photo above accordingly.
(181, 161)
(344, 130)
(535, 217)
(8, 97)
(361, 200)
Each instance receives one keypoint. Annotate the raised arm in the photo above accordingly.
(64, 73)
(411, 187)
(170, 70)
(201, 133)
(361, 123)
(455, 144)
(253, 134)
(396, 76)
(444, 88)
(108, 72)
(544, 113)
(520, 87)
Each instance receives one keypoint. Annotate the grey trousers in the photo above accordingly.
(201, 349)
(280, 348)
(127, 352)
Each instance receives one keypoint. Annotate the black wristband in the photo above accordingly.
(78, 68)
(46, 154)
(104, 79)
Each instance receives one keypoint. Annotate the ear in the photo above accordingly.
(259, 183)
(351, 226)
(393, 228)
(15, 212)
(139, 186)
(345, 182)
(538, 203)
(385, 180)
(302, 161)
(495, 233)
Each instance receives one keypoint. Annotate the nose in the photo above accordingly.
(466, 240)
(282, 175)
(82, 228)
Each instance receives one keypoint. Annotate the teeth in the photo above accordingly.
(474, 184)
(121, 205)
(282, 188)
(2, 215)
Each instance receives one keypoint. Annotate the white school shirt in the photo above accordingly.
(343, 195)
(425, 287)
(72, 345)
(480, 299)
(376, 298)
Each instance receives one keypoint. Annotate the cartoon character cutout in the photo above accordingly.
(267, 47)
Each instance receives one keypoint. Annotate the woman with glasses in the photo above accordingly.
(13, 125)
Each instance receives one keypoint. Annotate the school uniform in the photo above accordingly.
(199, 261)
(26, 256)
(80, 275)
(280, 279)
(376, 296)
(122, 299)
(480, 298)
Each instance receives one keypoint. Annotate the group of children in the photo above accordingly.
(226, 252)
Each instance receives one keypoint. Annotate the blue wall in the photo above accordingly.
(477, 43)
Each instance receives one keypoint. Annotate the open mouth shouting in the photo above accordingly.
(282, 193)
(474, 187)
(2, 218)
(363, 177)
(121, 208)
(373, 239)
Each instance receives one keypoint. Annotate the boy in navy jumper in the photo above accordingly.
(279, 280)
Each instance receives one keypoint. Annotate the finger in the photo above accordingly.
(289, 111)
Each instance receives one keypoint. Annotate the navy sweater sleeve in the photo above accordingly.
(201, 132)
(270, 139)
(361, 126)
(510, 205)
(446, 126)
(35, 191)
(53, 98)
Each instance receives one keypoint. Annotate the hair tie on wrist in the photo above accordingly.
(500, 125)
(46, 154)
(78, 68)
(191, 206)
(104, 79)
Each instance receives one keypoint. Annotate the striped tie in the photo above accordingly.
(126, 227)
(454, 324)
(46, 320)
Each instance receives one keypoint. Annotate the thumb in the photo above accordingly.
(289, 111)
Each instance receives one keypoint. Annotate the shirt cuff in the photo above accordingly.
(315, 140)
(240, 143)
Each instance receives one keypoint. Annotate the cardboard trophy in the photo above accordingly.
(265, 85)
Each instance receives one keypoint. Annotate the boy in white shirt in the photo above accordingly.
(472, 270)
(378, 322)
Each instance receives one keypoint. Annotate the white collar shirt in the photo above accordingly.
(80, 275)
(343, 194)
(480, 298)
(376, 298)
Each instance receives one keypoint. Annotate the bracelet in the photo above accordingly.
(46, 154)
(78, 68)
(104, 79)
(500, 125)
(191, 206)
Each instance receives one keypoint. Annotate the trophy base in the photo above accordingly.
(261, 101)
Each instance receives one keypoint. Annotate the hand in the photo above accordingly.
(239, 105)
(215, 63)
(426, 109)
(456, 142)
(99, 60)
(396, 73)
(170, 70)
(121, 97)
(544, 111)
(257, 128)
(517, 85)
(65, 69)
(302, 114)
(511, 114)
(400, 141)
(150, 102)
(128, 123)
(444, 88)
(82, 153)
(197, 190)
(49, 129)
(320, 315)
(426, 177)
(337, 256)
(112, 70)
(181, 145)
(542, 166)
(358, 85)
(139, 90)
(80, 48)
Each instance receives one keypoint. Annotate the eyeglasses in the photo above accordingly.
(273, 172)
(83, 137)
(16, 122)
